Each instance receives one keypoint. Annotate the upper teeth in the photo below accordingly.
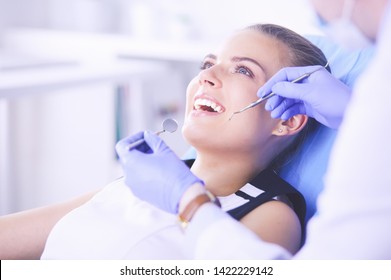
(206, 102)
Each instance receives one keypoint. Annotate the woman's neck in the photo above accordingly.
(225, 174)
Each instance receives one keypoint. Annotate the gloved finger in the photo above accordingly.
(291, 90)
(122, 146)
(282, 107)
(155, 142)
(296, 109)
(286, 74)
(273, 102)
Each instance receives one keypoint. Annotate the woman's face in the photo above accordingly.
(228, 81)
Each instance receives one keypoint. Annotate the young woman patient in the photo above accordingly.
(235, 159)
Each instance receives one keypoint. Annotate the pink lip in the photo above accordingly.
(207, 97)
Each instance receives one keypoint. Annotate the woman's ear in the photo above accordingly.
(291, 126)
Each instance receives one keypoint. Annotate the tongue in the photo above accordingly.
(207, 108)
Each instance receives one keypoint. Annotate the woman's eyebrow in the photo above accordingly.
(239, 59)
(211, 55)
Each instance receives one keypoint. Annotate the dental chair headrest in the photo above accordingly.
(306, 169)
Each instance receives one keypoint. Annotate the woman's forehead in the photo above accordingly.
(254, 44)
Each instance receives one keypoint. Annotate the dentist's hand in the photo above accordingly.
(153, 171)
(320, 96)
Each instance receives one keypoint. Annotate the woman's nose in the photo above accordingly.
(208, 82)
(209, 77)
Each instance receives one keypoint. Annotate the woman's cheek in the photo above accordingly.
(190, 93)
(193, 85)
(191, 89)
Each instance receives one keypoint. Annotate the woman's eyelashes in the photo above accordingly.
(240, 69)
(206, 64)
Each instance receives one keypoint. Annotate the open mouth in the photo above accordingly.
(207, 105)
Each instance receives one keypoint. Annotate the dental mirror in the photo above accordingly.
(169, 125)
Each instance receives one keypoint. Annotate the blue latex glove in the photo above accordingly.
(153, 171)
(321, 95)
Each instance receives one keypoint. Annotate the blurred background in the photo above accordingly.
(78, 75)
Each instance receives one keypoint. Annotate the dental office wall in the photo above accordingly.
(60, 142)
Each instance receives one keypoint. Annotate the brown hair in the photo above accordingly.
(301, 53)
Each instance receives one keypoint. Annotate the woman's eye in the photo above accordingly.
(244, 70)
(206, 65)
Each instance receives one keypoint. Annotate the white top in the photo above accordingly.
(115, 224)
(354, 210)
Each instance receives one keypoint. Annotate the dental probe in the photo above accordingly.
(260, 100)
(169, 125)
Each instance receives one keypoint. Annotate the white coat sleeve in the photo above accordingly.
(354, 210)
